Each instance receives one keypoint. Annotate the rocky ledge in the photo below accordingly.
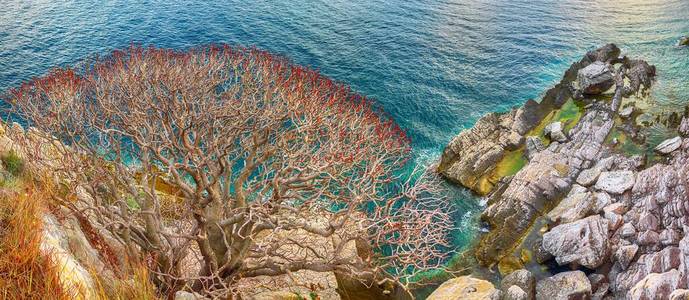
(616, 220)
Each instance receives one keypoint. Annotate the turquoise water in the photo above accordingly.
(435, 66)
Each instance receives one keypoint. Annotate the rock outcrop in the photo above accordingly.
(595, 78)
(471, 156)
(580, 202)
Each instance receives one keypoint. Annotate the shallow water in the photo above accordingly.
(435, 66)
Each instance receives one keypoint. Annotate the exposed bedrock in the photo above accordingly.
(536, 188)
(471, 157)
(560, 156)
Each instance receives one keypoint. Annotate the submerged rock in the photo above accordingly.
(596, 78)
(564, 286)
(464, 288)
(669, 145)
(684, 41)
(584, 242)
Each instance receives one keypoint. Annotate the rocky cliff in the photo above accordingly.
(580, 201)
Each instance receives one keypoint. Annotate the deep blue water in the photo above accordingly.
(435, 66)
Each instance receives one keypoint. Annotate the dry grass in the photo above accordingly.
(27, 273)
(138, 287)
(24, 272)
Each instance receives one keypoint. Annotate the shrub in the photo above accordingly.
(279, 168)
(13, 163)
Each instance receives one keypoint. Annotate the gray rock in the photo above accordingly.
(627, 230)
(602, 201)
(541, 254)
(656, 286)
(515, 293)
(601, 292)
(575, 206)
(589, 176)
(533, 146)
(522, 279)
(615, 182)
(626, 112)
(550, 173)
(625, 254)
(564, 286)
(669, 145)
(554, 131)
(584, 242)
(596, 78)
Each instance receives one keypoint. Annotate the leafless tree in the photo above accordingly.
(253, 153)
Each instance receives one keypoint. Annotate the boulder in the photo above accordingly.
(626, 112)
(522, 279)
(670, 237)
(595, 78)
(648, 237)
(584, 242)
(656, 286)
(656, 262)
(625, 255)
(515, 293)
(575, 206)
(564, 286)
(554, 131)
(669, 145)
(589, 176)
(684, 41)
(615, 182)
(464, 288)
(627, 230)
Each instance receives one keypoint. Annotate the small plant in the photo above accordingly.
(13, 163)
